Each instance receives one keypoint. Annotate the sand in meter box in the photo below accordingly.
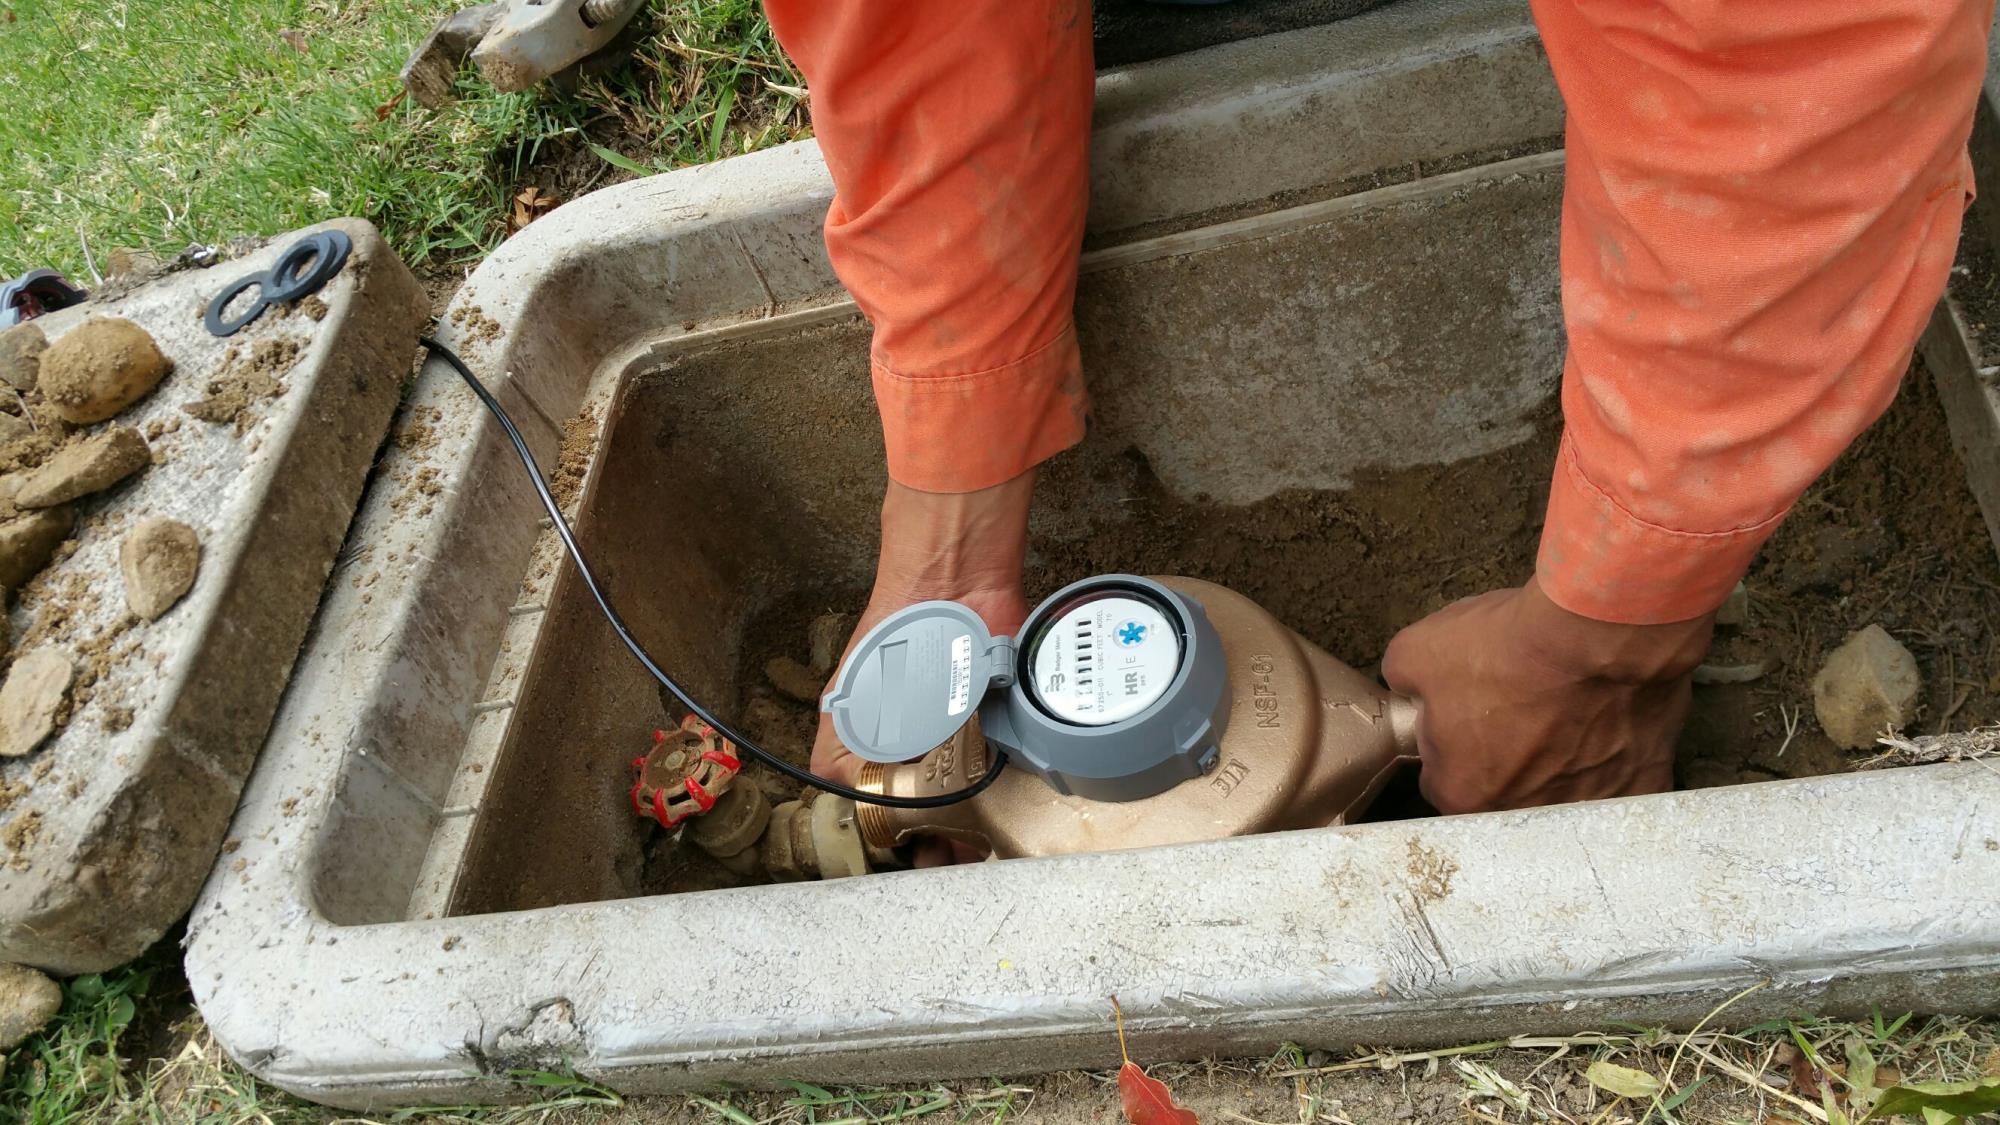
(170, 505)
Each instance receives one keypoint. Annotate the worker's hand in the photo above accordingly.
(965, 547)
(1526, 703)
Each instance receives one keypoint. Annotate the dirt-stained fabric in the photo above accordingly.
(1761, 205)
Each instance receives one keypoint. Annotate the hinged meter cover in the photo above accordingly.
(914, 679)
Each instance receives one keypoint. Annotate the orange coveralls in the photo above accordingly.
(1761, 205)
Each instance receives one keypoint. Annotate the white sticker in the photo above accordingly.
(961, 674)
(1105, 659)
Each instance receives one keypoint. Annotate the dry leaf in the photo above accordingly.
(530, 205)
(296, 39)
(1623, 1081)
(1146, 1101)
(383, 111)
(1810, 1081)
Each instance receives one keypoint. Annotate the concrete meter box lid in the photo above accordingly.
(249, 457)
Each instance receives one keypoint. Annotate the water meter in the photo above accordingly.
(1113, 690)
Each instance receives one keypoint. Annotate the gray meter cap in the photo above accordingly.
(1115, 694)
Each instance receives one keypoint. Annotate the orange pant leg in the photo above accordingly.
(958, 136)
(1762, 202)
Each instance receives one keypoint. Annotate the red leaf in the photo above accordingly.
(1147, 1101)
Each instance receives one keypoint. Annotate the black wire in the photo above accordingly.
(999, 756)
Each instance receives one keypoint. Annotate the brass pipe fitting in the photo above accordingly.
(731, 829)
(822, 839)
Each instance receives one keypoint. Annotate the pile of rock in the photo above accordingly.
(59, 445)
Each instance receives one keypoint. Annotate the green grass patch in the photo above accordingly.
(155, 125)
(69, 1071)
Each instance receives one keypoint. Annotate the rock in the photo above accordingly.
(31, 700)
(1867, 686)
(795, 679)
(1736, 610)
(828, 635)
(101, 367)
(91, 465)
(27, 541)
(13, 427)
(28, 1001)
(21, 349)
(158, 559)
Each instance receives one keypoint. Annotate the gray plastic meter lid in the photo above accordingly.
(914, 679)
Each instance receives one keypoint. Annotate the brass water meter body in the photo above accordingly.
(1305, 741)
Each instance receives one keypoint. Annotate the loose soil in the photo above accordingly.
(579, 441)
(245, 378)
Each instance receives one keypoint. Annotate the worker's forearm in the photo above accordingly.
(958, 139)
(1763, 199)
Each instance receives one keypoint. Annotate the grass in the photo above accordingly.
(151, 125)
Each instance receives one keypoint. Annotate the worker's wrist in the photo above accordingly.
(951, 544)
(1588, 649)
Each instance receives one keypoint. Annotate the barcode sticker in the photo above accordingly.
(961, 674)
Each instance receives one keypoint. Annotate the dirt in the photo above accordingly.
(479, 327)
(419, 492)
(418, 431)
(26, 453)
(245, 378)
(19, 837)
(158, 561)
(579, 441)
(60, 600)
(99, 368)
